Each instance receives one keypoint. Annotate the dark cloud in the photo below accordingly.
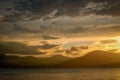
(37, 9)
(48, 37)
(108, 7)
(76, 50)
(23, 49)
(59, 51)
(108, 30)
(7, 28)
(84, 47)
(108, 41)
(74, 30)
(12, 30)
(112, 28)
(114, 50)
(19, 48)
(68, 52)
(48, 46)
(100, 30)
(40, 9)
(16, 17)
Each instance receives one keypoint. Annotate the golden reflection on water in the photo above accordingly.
(61, 74)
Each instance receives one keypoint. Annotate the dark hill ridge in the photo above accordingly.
(15, 61)
(93, 59)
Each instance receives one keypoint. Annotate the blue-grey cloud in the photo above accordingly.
(23, 49)
(19, 48)
(40, 9)
(7, 28)
(49, 37)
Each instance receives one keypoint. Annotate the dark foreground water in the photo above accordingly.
(59, 74)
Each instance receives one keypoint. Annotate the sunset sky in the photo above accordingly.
(70, 28)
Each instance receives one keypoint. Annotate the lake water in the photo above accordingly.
(59, 74)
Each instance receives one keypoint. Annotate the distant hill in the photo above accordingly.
(15, 61)
(93, 59)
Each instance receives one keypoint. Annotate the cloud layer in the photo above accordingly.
(18, 48)
(53, 26)
(25, 10)
(23, 49)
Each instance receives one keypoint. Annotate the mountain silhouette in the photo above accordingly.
(93, 59)
(15, 61)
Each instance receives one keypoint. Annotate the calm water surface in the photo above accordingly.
(59, 74)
